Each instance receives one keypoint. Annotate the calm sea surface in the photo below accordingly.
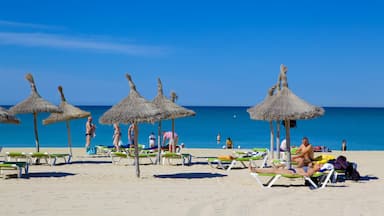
(361, 127)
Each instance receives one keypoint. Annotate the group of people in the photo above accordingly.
(303, 157)
(90, 130)
(228, 141)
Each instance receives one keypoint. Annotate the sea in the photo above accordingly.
(360, 127)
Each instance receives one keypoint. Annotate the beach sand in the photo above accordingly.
(94, 186)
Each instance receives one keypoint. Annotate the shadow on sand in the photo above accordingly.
(47, 175)
(190, 175)
(91, 162)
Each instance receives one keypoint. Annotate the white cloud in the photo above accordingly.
(29, 25)
(85, 43)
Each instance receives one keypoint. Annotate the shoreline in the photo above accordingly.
(93, 185)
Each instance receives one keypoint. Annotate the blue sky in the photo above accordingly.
(208, 52)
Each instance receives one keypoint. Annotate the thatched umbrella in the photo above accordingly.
(34, 104)
(69, 112)
(253, 111)
(6, 117)
(169, 110)
(285, 105)
(132, 110)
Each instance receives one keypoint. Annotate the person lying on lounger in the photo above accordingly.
(304, 171)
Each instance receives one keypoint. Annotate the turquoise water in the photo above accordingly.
(361, 127)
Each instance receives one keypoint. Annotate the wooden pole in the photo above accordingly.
(36, 136)
(278, 138)
(272, 139)
(173, 98)
(159, 143)
(69, 137)
(288, 140)
(136, 146)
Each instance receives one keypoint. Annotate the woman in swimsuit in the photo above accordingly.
(116, 136)
(304, 171)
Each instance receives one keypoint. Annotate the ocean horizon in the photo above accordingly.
(360, 126)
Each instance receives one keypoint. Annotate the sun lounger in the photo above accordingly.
(14, 166)
(116, 157)
(274, 177)
(33, 156)
(227, 162)
(49, 158)
(16, 156)
(185, 158)
(62, 156)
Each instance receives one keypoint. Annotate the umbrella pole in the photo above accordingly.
(173, 136)
(278, 138)
(69, 137)
(136, 150)
(36, 135)
(288, 140)
(159, 143)
(272, 137)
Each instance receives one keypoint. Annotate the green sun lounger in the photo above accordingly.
(116, 157)
(14, 166)
(274, 177)
(185, 158)
(227, 163)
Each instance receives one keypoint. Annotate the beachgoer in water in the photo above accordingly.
(218, 138)
(344, 145)
(228, 143)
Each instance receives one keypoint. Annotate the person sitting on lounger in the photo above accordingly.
(304, 171)
(304, 154)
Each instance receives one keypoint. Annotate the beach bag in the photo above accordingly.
(91, 151)
(351, 172)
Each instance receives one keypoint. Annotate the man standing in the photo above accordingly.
(90, 129)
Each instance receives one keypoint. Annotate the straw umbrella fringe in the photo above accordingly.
(34, 104)
(132, 110)
(6, 117)
(69, 112)
(169, 110)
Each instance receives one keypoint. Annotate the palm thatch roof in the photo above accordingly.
(132, 109)
(69, 111)
(169, 109)
(34, 103)
(284, 105)
(6, 117)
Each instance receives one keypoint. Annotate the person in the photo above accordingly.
(168, 136)
(304, 171)
(283, 145)
(131, 135)
(152, 140)
(304, 154)
(229, 143)
(344, 145)
(116, 136)
(90, 129)
(218, 138)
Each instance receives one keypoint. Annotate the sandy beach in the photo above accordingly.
(92, 185)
